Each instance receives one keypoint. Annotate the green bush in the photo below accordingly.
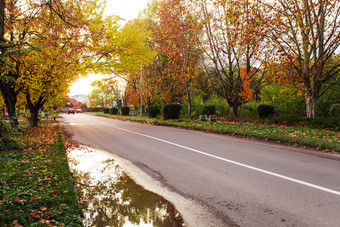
(153, 111)
(221, 105)
(114, 110)
(265, 111)
(125, 110)
(209, 110)
(285, 100)
(335, 110)
(106, 110)
(172, 111)
(250, 110)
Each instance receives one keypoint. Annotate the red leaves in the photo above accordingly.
(46, 180)
(246, 92)
(178, 37)
(36, 214)
(15, 224)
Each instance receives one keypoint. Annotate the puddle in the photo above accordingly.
(108, 197)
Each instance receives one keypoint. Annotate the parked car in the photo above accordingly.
(79, 111)
(71, 110)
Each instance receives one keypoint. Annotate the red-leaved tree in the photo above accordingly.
(178, 37)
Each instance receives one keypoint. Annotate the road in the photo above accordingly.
(238, 182)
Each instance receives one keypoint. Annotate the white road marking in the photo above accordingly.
(233, 162)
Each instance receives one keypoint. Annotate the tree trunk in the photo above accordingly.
(233, 109)
(34, 109)
(188, 96)
(310, 105)
(10, 98)
(34, 118)
(2, 22)
(189, 106)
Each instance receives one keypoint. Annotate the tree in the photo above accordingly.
(159, 83)
(48, 45)
(13, 39)
(178, 36)
(53, 63)
(2, 23)
(307, 35)
(101, 94)
(235, 39)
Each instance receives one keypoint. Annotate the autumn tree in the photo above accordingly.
(13, 41)
(307, 35)
(131, 96)
(234, 39)
(54, 62)
(2, 22)
(159, 84)
(101, 94)
(178, 38)
(20, 25)
(53, 43)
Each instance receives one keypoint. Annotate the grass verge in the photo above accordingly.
(36, 187)
(325, 140)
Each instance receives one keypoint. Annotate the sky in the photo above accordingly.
(126, 9)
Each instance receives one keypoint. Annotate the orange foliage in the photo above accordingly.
(246, 92)
(133, 98)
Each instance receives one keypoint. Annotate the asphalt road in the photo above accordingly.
(238, 182)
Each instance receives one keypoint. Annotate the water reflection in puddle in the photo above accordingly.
(108, 197)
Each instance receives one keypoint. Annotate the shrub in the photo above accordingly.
(106, 110)
(265, 110)
(285, 100)
(125, 110)
(250, 110)
(172, 111)
(153, 111)
(114, 110)
(335, 110)
(209, 110)
(221, 105)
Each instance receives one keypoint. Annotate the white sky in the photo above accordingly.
(126, 9)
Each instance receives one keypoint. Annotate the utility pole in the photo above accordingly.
(141, 84)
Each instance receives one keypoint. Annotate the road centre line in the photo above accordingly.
(233, 162)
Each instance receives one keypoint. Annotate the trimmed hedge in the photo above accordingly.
(265, 111)
(153, 111)
(114, 110)
(106, 110)
(125, 110)
(172, 111)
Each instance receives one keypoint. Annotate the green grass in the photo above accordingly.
(325, 140)
(36, 188)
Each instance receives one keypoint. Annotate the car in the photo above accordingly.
(71, 110)
(79, 111)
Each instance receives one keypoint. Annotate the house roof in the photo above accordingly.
(73, 102)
